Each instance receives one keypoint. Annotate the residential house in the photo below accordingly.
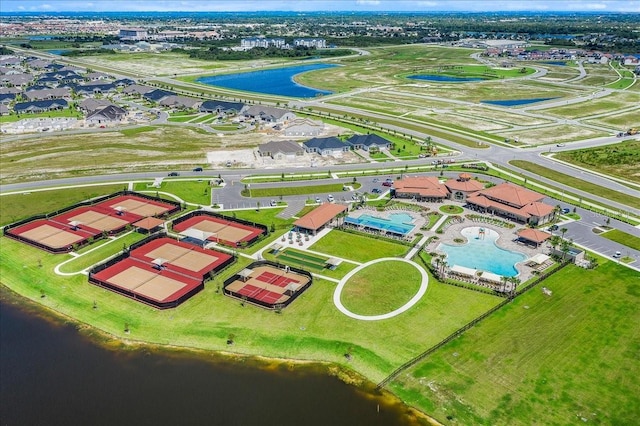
(4, 110)
(326, 146)
(371, 142)
(108, 114)
(137, 90)
(513, 202)
(7, 98)
(16, 80)
(269, 114)
(47, 81)
(91, 89)
(10, 61)
(420, 188)
(304, 127)
(59, 92)
(91, 105)
(179, 102)
(221, 107)
(97, 76)
(157, 95)
(40, 106)
(123, 82)
(280, 150)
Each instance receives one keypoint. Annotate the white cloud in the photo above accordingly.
(368, 2)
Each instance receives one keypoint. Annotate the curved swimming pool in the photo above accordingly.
(482, 253)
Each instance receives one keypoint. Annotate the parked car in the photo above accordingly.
(376, 190)
(330, 198)
(560, 144)
(273, 203)
(565, 211)
(174, 174)
(318, 200)
(376, 180)
(617, 254)
(387, 183)
(197, 169)
(552, 228)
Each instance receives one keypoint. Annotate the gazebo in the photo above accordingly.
(533, 236)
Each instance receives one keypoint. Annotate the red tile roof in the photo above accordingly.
(512, 194)
(148, 223)
(320, 216)
(534, 235)
(464, 185)
(425, 186)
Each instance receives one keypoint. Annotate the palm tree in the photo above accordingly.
(563, 231)
(565, 247)
(504, 280)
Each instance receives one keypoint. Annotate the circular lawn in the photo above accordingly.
(381, 288)
(451, 209)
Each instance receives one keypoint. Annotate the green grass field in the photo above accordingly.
(568, 358)
(620, 159)
(355, 247)
(574, 182)
(11, 118)
(380, 288)
(107, 249)
(311, 328)
(623, 238)
(15, 207)
(192, 191)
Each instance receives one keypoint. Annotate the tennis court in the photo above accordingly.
(217, 229)
(95, 219)
(162, 272)
(144, 282)
(51, 234)
(267, 285)
(137, 205)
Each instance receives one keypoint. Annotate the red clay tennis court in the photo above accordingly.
(217, 229)
(267, 284)
(163, 272)
(60, 232)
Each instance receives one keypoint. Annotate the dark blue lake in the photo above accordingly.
(559, 63)
(57, 51)
(278, 81)
(444, 78)
(516, 102)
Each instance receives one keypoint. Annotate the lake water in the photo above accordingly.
(444, 78)
(516, 102)
(50, 374)
(277, 81)
(558, 63)
(57, 51)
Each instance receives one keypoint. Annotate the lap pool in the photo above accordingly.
(482, 253)
(397, 223)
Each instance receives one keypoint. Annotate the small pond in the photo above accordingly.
(444, 78)
(515, 102)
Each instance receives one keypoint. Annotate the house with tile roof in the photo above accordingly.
(459, 189)
(269, 114)
(280, 150)
(40, 106)
(108, 114)
(370, 142)
(326, 146)
(157, 95)
(222, 107)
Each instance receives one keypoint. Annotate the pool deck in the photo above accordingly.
(506, 240)
(418, 220)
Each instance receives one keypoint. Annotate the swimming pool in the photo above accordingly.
(482, 253)
(398, 223)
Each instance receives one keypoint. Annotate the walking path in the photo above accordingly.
(423, 289)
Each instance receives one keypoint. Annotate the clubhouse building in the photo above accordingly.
(506, 199)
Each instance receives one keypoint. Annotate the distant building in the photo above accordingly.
(40, 106)
(326, 146)
(304, 127)
(109, 114)
(251, 42)
(269, 114)
(134, 34)
(316, 43)
(222, 107)
(280, 150)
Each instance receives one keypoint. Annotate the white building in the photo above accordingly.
(316, 43)
(251, 42)
(135, 34)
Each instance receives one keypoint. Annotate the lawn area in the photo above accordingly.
(356, 247)
(11, 118)
(451, 209)
(191, 191)
(296, 190)
(568, 358)
(623, 238)
(576, 183)
(106, 249)
(298, 258)
(182, 118)
(376, 289)
(15, 207)
(620, 159)
(311, 328)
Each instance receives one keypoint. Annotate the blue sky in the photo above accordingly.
(319, 5)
